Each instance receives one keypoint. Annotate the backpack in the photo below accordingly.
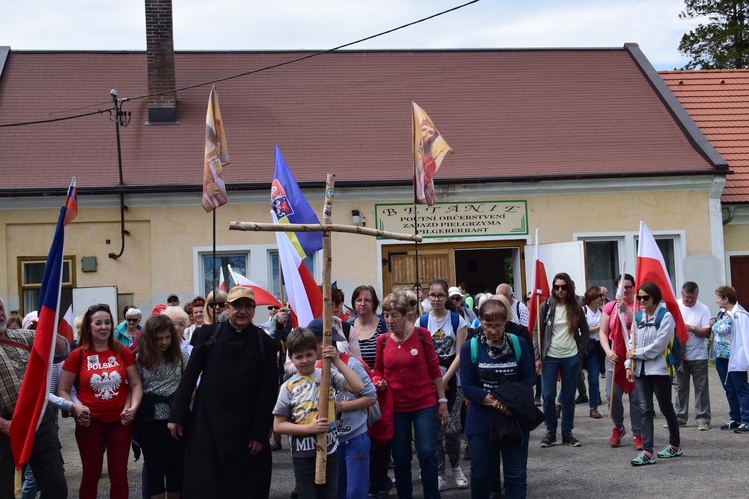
(673, 350)
(454, 320)
(515, 346)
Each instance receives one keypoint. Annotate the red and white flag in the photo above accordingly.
(66, 327)
(652, 268)
(262, 297)
(619, 336)
(540, 288)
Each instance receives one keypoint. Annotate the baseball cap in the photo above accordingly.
(316, 327)
(454, 291)
(238, 292)
(172, 297)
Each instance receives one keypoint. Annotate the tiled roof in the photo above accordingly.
(509, 114)
(718, 101)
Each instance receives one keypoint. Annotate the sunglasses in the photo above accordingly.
(412, 303)
(561, 287)
(219, 304)
(133, 319)
(456, 298)
(642, 297)
(98, 307)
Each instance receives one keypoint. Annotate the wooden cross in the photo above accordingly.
(321, 457)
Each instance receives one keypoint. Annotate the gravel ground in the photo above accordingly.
(713, 464)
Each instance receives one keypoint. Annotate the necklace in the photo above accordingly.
(400, 341)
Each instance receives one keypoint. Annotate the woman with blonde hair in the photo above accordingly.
(219, 304)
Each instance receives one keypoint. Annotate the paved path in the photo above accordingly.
(714, 463)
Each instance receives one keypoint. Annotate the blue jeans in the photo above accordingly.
(740, 384)
(28, 491)
(353, 467)
(569, 368)
(483, 466)
(594, 375)
(425, 433)
(734, 407)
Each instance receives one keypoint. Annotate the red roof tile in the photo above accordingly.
(718, 102)
(507, 113)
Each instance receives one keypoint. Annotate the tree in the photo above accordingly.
(722, 42)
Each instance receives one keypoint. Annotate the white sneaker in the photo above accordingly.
(460, 478)
(441, 483)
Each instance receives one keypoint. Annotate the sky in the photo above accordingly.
(324, 24)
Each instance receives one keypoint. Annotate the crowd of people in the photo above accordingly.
(206, 395)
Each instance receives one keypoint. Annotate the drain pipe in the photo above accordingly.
(119, 117)
(731, 210)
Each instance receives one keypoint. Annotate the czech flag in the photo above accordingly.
(32, 400)
(289, 206)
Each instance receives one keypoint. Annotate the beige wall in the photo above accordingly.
(158, 256)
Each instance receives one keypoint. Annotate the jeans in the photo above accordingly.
(594, 375)
(740, 384)
(46, 460)
(483, 466)
(114, 438)
(697, 369)
(569, 368)
(617, 407)
(28, 490)
(164, 458)
(304, 472)
(734, 406)
(660, 386)
(353, 467)
(425, 434)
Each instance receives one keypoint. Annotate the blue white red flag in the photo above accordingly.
(32, 400)
(290, 206)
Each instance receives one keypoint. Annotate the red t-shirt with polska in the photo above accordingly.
(102, 380)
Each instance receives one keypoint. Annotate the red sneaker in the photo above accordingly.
(637, 441)
(616, 436)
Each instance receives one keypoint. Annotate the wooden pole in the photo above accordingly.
(321, 456)
(352, 229)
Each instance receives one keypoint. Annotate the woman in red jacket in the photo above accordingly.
(407, 363)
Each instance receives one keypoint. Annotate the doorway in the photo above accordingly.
(740, 277)
(482, 269)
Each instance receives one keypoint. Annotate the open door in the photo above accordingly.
(560, 257)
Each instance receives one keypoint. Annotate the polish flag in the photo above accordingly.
(66, 327)
(540, 290)
(304, 295)
(652, 268)
(262, 297)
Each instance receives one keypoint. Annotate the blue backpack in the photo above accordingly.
(454, 320)
(515, 347)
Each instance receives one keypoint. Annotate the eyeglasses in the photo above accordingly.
(363, 301)
(642, 297)
(98, 307)
(435, 296)
(601, 295)
(242, 304)
(561, 287)
(132, 319)
(628, 287)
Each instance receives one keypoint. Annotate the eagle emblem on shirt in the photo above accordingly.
(106, 386)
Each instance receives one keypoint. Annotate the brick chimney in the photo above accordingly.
(160, 60)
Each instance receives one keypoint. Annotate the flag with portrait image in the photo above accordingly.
(32, 399)
(216, 156)
(429, 149)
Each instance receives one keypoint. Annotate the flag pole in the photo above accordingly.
(321, 456)
(215, 277)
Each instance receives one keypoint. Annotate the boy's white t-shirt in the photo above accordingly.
(297, 400)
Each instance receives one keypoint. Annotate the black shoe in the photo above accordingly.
(569, 439)
(559, 411)
(581, 399)
(294, 493)
(537, 402)
(743, 428)
(731, 425)
(549, 439)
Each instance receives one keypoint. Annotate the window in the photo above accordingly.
(236, 260)
(31, 271)
(601, 264)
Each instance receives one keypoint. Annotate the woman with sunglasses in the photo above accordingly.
(564, 342)
(623, 308)
(219, 304)
(449, 331)
(130, 327)
(647, 367)
(110, 386)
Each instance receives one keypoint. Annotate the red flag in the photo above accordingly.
(618, 336)
(540, 290)
(32, 400)
(262, 297)
(652, 268)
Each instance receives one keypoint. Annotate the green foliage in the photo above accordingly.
(723, 41)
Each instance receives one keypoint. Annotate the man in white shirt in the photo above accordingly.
(519, 310)
(697, 319)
